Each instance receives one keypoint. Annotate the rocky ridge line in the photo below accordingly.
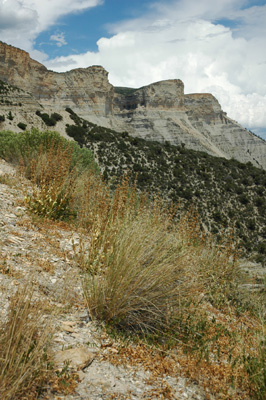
(160, 111)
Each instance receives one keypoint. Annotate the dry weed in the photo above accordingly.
(24, 339)
(54, 180)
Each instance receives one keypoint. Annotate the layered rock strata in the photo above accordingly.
(160, 111)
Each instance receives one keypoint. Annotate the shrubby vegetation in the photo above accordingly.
(25, 146)
(49, 120)
(126, 91)
(227, 194)
(145, 272)
(22, 126)
(10, 116)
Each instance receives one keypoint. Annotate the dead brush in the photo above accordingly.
(142, 267)
(100, 213)
(55, 182)
(141, 277)
(214, 265)
(24, 339)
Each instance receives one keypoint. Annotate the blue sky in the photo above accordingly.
(213, 46)
(82, 30)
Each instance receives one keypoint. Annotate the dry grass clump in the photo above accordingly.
(138, 281)
(145, 272)
(23, 348)
(54, 180)
(143, 269)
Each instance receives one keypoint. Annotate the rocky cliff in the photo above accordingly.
(84, 88)
(160, 111)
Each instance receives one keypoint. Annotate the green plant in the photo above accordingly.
(49, 120)
(255, 366)
(10, 116)
(22, 126)
(24, 147)
(56, 117)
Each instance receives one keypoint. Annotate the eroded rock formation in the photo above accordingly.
(160, 111)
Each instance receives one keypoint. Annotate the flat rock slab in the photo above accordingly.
(78, 358)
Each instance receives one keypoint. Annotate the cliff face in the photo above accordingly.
(160, 111)
(164, 95)
(85, 88)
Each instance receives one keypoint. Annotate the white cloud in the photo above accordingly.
(182, 39)
(59, 38)
(185, 39)
(22, 20)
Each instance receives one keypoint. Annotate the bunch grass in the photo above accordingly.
(24, 340)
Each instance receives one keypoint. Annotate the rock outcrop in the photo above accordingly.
(160, 111)
(84, 88)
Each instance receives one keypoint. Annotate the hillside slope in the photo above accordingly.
(227, 194)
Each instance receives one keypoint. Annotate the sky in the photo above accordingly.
(213, 46)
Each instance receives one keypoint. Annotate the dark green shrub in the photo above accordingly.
(69, 110)
(10, 116)
(243, 199)
(2, 118)
(251, 224)
(259, 201)
(76, 132)
(48, 120)
(262, 248)
(22, 126)
(56, 117)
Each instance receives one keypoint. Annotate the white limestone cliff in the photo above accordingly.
(159, 111)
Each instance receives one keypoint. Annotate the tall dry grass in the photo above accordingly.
(54, 179)
(24, 339)
(142, 267)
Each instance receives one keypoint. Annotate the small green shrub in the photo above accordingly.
(10, 116)
(56, 117)
(76, 132)
(49, 120)
(22, 126)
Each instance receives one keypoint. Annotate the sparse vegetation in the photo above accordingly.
(24, 340)
(126, 91)
(55, 183)
(53, 164)
(148, 269)
(49, 120)
(213, 185)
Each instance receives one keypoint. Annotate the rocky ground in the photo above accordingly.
(105, 368)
